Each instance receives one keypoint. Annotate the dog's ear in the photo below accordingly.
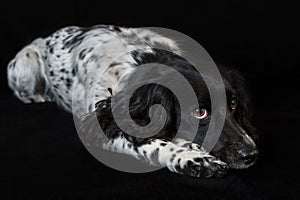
(239, 84)
(26, 73)
(236, 82)
(152, 94)
(140, 103)
(245, 112)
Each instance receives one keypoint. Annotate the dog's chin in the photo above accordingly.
(239, 165)
(235, 163)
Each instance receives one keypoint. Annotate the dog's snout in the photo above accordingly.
(247, 156)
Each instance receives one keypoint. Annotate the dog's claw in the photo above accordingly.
(194, 164)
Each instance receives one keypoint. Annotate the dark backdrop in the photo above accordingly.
(42, 157)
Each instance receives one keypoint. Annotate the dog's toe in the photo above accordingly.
(193, 163)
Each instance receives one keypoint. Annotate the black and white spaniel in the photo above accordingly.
(51, 68)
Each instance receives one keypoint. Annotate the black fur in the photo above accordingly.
(237, 121)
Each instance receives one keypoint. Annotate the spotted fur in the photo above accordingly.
(74, 60)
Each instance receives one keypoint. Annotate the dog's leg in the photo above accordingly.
(160, 152)
(188, 144)
(156, 151)
(182, 159)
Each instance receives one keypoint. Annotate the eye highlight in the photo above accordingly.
(233, 103)
(200, 113)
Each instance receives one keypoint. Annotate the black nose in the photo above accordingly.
(247, 156)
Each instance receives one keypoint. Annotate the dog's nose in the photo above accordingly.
(248, 156)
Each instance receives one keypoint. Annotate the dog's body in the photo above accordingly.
(104, 57)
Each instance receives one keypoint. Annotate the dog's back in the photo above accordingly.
(82, 58)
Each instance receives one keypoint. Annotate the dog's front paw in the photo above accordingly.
(197, 164)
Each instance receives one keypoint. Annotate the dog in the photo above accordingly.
(48, 70)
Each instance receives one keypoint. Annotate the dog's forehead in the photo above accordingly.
(200, 89)
(202, 92)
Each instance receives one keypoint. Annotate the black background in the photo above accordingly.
(40, 153)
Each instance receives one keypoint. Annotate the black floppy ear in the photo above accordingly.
(239, 84)
(235, 80)
(90, 126)
(139, 104)
(148, 95)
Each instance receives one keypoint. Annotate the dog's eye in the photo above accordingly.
(200, 113)
(233, 103)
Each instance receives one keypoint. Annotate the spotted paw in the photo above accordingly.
(199, 164)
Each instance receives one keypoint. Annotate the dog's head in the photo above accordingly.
(236, 144)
